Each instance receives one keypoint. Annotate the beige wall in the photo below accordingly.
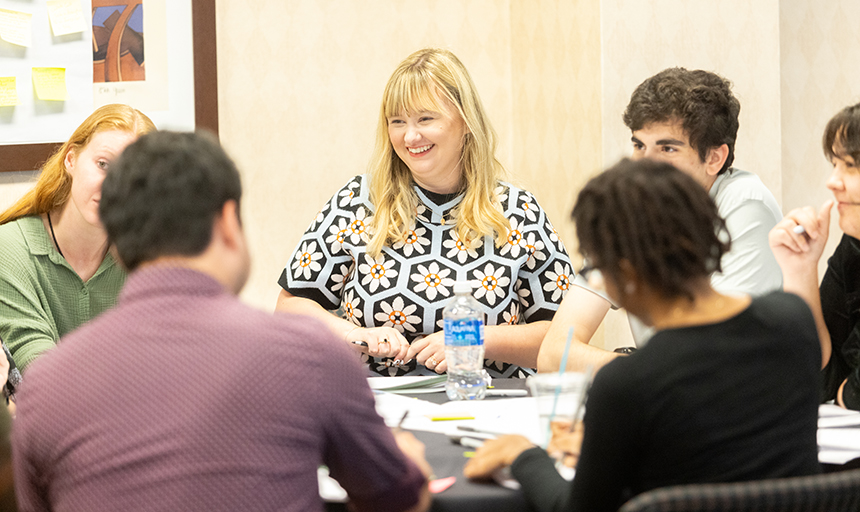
(300, 84)
(820, 52)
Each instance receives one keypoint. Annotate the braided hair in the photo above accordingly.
(655, 217)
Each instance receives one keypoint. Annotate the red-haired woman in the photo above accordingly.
(55, 269)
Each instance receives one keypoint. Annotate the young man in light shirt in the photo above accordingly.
(689, 119)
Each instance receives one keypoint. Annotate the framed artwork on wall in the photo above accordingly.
(179, 64)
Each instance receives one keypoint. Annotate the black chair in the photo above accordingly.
(832, 492)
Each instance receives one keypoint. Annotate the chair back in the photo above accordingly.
(830, 492)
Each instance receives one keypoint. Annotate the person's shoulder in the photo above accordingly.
(779, 302)
(625, 369)
(15, 231)
(353, 194)
(741, 185)
(783, 312)
(517, 201)
(624, 378)
(19, 240)
(848, 249)
(738, 188)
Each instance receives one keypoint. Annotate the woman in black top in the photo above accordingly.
(798, 242)
(724, 391)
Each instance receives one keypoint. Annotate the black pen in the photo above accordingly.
(359, 343)
(402, 419)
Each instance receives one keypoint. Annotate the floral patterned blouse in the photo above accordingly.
(409, 284)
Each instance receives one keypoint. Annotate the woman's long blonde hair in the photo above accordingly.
(55, 183)
(418, 83)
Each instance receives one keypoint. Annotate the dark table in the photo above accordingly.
(446, 459)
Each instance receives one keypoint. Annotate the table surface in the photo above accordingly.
(447, 459)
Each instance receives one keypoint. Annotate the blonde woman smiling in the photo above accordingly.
(386, 249)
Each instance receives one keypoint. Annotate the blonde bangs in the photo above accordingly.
(410, 93)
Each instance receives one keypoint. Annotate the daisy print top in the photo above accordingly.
(409, 284)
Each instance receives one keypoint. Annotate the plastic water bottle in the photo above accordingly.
(464, 346)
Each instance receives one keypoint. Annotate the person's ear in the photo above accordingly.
(70, 159)
(231, 226)
(716, 158)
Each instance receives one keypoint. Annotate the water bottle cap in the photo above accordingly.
(462, 287)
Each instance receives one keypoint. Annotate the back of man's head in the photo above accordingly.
(700, 100)
(162, 195)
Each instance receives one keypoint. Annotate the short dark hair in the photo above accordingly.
(657, 218)
(162, 195)
(702, 101)
(843, 130)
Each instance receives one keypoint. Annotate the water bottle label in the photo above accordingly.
(464, 333)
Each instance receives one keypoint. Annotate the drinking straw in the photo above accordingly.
(562, 367)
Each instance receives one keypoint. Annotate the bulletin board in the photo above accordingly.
(67, 57)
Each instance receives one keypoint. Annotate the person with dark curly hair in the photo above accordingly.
(798, 242)
(689, 119)
(725, 390)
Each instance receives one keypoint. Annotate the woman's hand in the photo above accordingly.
(381, 342)
(430, 351)
(495, 454)
(798, 253)
(565, 445)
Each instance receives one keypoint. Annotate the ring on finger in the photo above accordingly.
(384, 340)
(431, 363)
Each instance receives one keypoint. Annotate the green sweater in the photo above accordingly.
(41, 297)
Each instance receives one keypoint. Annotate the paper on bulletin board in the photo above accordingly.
(35, 120)
(66, 16)
(152, 92)
(8, 91)
(16, 27)
(50, 84)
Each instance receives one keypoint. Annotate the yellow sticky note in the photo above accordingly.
(67, 17)
(50, 83)
(8, 91)
(16, 27)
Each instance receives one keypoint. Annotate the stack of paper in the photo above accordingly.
(838, 434)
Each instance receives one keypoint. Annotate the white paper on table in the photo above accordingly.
(387, 382)
(828, 410)
(500, 416)
(832, 416)
(503, 416)
(836, 456)
(845, 438)
(392, 407)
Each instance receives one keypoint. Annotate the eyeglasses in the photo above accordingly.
(592, 276)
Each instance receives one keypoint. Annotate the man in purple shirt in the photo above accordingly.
(182, 398)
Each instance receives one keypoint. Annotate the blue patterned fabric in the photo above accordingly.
(409, 284)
